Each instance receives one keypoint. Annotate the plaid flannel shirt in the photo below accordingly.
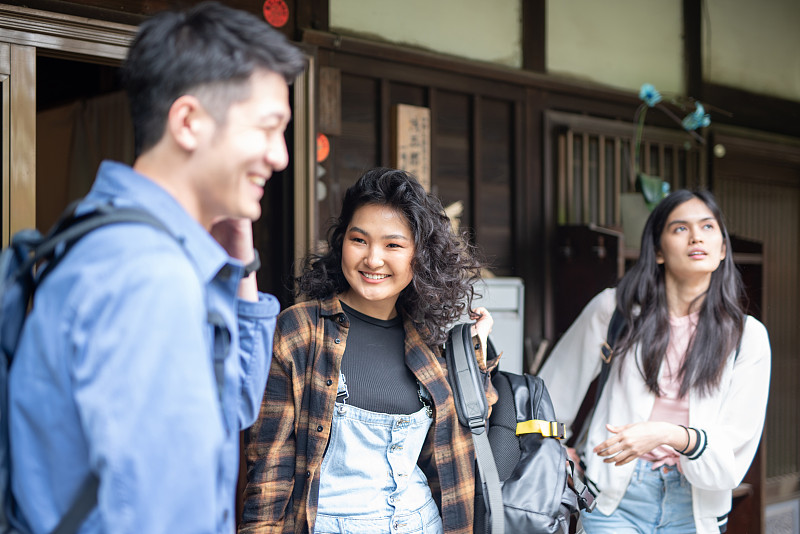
(284, 448)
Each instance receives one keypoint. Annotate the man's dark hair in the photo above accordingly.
(209, 48)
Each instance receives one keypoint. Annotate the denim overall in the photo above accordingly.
(369, 479)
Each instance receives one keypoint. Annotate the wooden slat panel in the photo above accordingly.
(585, 199)
(562, 180)
(675, 166)
(477, 153)
(759, 205)
(356, 149)
(450, 158)
(384, 107)
(592, 162)
(495, 179)
(632, 173)
(617, 180)
(601, 179)
(570, 176)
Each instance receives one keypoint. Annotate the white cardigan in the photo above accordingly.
(731, 418)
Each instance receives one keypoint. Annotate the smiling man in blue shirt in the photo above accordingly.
(115, 374)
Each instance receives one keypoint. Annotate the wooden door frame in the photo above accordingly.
(23, 31)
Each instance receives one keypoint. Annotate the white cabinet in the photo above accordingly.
(504, 298)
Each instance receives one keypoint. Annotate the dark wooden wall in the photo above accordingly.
(476, 137)
(487, 145)
(487, 124)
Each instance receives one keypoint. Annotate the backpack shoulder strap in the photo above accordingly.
(472, 409)
(71, 229)
(81, 506)
(580, 426)
(612, 336)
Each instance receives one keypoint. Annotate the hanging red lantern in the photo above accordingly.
(276, 12)
(323, 147)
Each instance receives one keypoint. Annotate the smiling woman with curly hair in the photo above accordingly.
(358, 431)
(444, 266)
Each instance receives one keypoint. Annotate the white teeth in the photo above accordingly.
(260, 181)
(375, 276)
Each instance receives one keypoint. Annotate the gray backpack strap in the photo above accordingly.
(615, 327)
(580, 427)
(221, 341)
(79, 511)
(472, 409)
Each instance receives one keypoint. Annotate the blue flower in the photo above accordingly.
(649, 94)
(696, 119)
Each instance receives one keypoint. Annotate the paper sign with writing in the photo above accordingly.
(411, 149)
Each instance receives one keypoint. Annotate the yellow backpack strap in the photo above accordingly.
(548, 429)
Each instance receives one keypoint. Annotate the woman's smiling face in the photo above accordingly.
(377, 256)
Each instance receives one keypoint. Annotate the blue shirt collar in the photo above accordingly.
(122, 186)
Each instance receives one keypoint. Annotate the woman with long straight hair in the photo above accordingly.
(358, 431)
(680, 418)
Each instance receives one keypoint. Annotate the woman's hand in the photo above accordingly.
(629, 442)
(483, 326)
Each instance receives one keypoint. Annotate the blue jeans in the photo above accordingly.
(657, 501)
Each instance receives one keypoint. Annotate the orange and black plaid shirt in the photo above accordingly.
(284, 448)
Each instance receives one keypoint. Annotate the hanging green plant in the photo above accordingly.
(653, 188)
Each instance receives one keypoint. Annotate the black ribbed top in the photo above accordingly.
(374, 365)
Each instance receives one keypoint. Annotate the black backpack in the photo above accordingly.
(23, 265)
(528, 485)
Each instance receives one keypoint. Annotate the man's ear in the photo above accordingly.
(186, 120)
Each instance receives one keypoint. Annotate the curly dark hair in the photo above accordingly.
(445, 265)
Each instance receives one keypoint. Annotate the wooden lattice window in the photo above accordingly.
(594, 165)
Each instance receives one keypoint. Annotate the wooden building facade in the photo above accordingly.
(525, 153)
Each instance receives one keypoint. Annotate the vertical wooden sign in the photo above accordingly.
(411, 144)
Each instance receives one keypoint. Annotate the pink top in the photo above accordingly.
(669, 407)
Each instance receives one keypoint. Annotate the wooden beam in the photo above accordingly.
(399, 57)
(312, 15)
(751, 110)
(476, 176)
(534, 35)
(692, 47)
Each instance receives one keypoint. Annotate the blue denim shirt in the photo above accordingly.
(114, 375)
